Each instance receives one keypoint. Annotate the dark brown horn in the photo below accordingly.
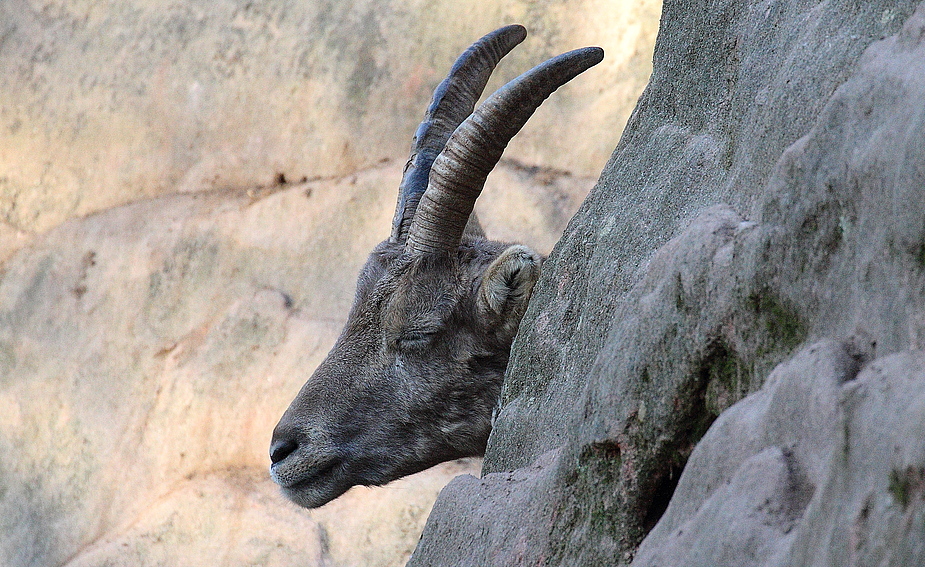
(453, 101)
(458, 174)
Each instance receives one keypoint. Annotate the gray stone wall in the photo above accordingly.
(766, 195)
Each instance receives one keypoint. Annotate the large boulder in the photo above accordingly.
(766, 195)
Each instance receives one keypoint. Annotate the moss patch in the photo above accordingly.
(592, 507)
(783, 327)
(907, 485)
(600, 463)
(727, 377)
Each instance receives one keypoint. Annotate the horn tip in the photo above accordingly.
(593, 55)
(516, 32)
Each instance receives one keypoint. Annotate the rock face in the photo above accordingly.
(108, 102)
(823, 466)
(758, 230)
(147, 352)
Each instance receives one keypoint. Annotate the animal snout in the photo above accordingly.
(282, 448)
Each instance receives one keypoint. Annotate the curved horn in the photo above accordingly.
(458, 174)
(453, 101)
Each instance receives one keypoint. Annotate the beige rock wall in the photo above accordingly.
(147, 351)
(108, 102)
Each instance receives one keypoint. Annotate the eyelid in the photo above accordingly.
(412, 337)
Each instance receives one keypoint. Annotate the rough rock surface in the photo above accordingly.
(823, 466)
(104, 103)
(146, 352)
(766, 195)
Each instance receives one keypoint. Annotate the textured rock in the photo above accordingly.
(146, 353)
(706, 131)
(11, 240)
(750, 480)
(659, 309)
(109, 102)
(823, 466)
(230, 518)
(543, 502)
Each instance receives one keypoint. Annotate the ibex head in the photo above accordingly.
(416, 373)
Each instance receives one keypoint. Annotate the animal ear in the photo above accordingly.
(506, 286)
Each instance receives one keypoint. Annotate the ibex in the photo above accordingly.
(417, 371)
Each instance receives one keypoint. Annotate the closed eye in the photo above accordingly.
(413, 339)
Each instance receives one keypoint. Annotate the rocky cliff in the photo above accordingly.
(108, 102)
(722, 363)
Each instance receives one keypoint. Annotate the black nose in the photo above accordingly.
(282, 448)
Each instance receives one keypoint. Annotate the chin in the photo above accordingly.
(312, 497)
(312, 490)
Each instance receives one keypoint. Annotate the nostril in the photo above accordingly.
(281, 449)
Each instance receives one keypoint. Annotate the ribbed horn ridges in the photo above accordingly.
(453, 101)
(458, 174)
